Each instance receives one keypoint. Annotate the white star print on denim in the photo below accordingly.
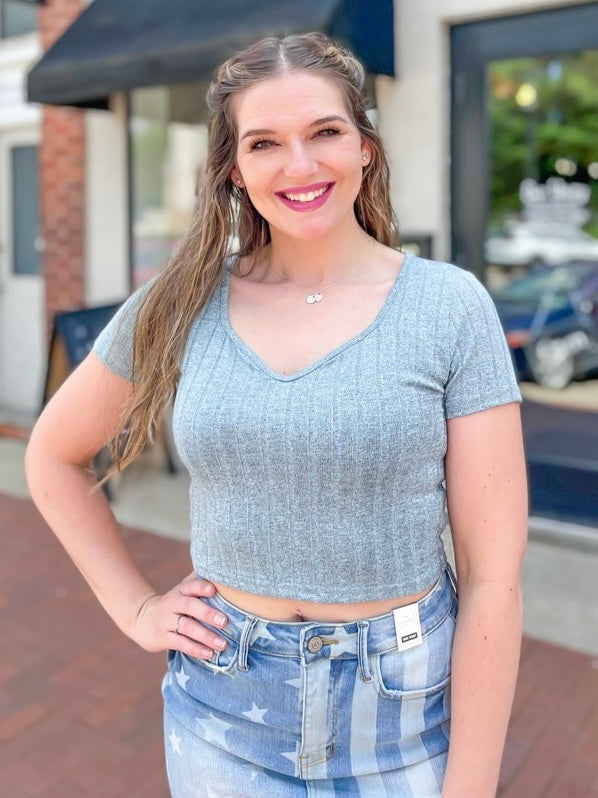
(214, 729)
(345, 642)
(175, 742)
(182, 677)
(263, 632)
(346, 714)
(256, 714)
(293, 756)
(255, 772)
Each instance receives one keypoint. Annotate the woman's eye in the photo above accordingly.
(327, 131)
(261, 144)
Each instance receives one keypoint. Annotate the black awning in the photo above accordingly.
(114, 46)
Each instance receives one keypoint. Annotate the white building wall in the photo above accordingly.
(414, 108)
(22, 320)
(16, 57)
(106, 212)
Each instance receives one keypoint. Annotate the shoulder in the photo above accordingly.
(442, 272)
(131, 306)
(455, 281)
(449, 288)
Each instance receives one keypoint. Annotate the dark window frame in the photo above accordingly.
(472, 45)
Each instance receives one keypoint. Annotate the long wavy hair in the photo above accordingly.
(224, 211)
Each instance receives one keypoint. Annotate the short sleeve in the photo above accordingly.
(114, 345)
(481, 368)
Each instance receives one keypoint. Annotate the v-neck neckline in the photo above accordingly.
(253, 358)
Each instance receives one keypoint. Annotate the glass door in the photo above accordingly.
(541, 242)
(22, 315)
(525, 219)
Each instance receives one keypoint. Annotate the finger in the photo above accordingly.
(198, 609)
(196, 587)
(192, 648)
(196, 632)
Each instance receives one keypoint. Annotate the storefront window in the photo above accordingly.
(541, 245)
(168, 138)
(26, 259)
(17, 18)
(524, 177)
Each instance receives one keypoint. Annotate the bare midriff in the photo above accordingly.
(289, 610)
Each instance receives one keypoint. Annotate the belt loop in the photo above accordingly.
(452, 577)
(244, 642)
(362, 651)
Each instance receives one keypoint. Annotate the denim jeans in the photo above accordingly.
(313, 709)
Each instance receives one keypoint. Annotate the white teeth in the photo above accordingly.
(308, 197)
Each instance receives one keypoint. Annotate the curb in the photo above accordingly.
(563, 533)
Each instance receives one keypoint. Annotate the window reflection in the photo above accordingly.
(26, 258)
(168, 149)
(17, 18)
(550, 318)
(542, 226)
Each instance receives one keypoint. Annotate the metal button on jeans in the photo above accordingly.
(314, 644)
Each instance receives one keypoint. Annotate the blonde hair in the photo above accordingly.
(224, 211)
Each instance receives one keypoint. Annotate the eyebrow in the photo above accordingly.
(322, 121)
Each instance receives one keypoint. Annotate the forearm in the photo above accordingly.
(485, 660)
(83, 522)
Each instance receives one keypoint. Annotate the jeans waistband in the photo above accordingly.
(335, 639)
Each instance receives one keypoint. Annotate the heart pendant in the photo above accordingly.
(311, 298)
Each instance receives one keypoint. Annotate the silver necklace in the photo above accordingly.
(313, 297)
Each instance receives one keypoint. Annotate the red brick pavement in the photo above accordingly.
(80, 712)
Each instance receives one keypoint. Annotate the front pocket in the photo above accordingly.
(221, 661)
(417, 672)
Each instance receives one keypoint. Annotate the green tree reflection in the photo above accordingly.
(543, 122)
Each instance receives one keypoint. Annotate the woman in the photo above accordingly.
(332, 396)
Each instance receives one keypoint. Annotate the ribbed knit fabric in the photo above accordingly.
(327, 485)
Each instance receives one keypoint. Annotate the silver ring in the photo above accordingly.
(178, 620)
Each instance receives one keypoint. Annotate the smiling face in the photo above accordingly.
(299, 155)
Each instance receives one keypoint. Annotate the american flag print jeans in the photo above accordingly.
(295, 710)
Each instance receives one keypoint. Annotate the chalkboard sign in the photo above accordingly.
(73, 334)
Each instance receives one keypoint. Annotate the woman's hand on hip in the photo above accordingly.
(175, 620)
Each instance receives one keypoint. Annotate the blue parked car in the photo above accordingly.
(550, 319)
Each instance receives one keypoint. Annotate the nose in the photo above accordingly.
(300, 162)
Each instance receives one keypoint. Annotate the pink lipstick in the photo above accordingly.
(305, 198)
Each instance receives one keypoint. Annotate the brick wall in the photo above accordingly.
(62, 180)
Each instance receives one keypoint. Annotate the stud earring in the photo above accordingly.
(365, 157)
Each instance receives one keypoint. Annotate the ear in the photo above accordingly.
(366, 153)
(235, 176)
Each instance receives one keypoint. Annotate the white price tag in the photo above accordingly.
(408, 627)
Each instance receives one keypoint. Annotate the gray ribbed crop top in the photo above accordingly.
(327, 485)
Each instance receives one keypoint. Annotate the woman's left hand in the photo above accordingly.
(177, 620)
